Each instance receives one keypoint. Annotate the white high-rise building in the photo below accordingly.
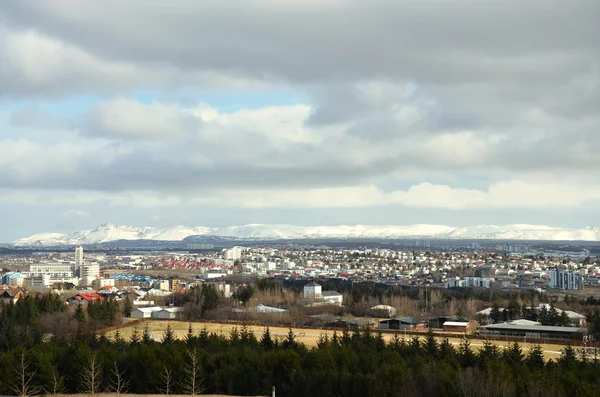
(78, 257)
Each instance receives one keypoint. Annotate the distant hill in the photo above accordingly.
(107, 232)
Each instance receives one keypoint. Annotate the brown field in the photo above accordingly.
(308, 336)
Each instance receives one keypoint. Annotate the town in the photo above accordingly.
(529, 295)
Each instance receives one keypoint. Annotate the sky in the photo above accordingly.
(307, 112)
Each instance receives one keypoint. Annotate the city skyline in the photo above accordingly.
(308, 113)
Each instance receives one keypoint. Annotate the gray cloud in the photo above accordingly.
(491, 90)
(33, 116)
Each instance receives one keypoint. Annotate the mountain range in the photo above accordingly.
(108, 232)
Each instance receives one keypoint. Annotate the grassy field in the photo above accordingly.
(307, 336)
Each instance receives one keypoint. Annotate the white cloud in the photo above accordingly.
(76, 213)
(501, 195)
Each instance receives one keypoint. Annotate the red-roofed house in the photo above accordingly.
(86, 298)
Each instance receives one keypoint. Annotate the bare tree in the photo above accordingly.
(91, 374)
(23, 384)
(192, 383)
(119, 384)
(167, 378)
(57, 383)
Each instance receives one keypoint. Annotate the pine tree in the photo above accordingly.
(168, 336)
(118, 338)
(466, 355)
(80, 314)
(146, 335)
(135, 336)
(290, 340)
(568, 357)
(266, 341)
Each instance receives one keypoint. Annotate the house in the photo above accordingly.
(458, 326)
(11, 294)
(85, 298)
(145, 312)
(402, 323)
(312, 291)
(333, 297)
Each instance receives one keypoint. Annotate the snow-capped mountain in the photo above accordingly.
(108, 232)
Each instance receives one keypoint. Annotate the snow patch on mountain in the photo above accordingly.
(108, 232)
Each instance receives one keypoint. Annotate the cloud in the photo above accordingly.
(500, 195)
(492, 106)
(35, 117)
(130, 119)
(76, 213)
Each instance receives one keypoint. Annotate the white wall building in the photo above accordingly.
(233, 254)
(312, 291)
(78, 257)
(89, 272)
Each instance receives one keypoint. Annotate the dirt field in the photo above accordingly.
(307, 336)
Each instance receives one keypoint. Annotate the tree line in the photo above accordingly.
(349, 363)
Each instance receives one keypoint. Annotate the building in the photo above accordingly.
(312, 291)
(168, 313)
(471, 282)
(383, 311)
(260, 309)
(102, 282)
(78, 257)
(402, 324)
(11, 294)
(89, 272)
(200, 246)
(145, 312)
(566, 279)
(332, 297)
(85, 298)
(233, 254)
(531, 329)
(439, 322)
(458, 326)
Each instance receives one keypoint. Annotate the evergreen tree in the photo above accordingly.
(168, 336)
(290, 341)
(265, 341)
(465, 353)
(189, 337)
(146, 335)
(535, 357)
(80, 314)
(135, 336)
